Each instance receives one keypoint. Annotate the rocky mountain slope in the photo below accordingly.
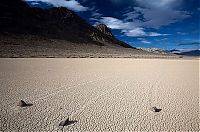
(57, 23)
(104, 29)
(56, 32)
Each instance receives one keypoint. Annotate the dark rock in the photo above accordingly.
(154, 109)
(22, 103)
(64, 123)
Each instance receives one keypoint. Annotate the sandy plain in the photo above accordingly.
(99, 94)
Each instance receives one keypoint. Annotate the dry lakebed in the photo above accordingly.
(102, 94)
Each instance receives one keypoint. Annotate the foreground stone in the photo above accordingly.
(154, 109)
(22, 103)
(64, 123)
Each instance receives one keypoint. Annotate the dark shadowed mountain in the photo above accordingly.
(57, 32)
(190, 53)
(185, 52)
(57, 23)
(173, 51)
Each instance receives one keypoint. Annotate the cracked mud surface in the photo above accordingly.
(99, 94)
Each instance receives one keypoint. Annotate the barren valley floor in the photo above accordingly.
(99, 94)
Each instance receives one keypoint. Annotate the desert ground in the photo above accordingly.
(30, 46)
(102, 94)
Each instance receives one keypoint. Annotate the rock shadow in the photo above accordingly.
(71, 122)
(24, 104)
(158, 110)
(67, 122)
(28, 105)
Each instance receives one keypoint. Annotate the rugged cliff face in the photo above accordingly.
(57, 23)
(104, 29)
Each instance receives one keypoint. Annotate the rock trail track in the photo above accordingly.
(99, 94)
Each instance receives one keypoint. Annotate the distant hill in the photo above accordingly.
(190, 53)
(174, 51)
(155, 50)
(185, 52)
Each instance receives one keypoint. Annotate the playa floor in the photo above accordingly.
(99, 94)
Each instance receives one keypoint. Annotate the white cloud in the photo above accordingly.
(115, 23)
(34, 3)
(137, 32)
(132, 15)
(143, 40)
(146, 42)
(94, 19)
(96, 15)
(130, 29)
(147, 14)
(140, 32)
(71, 4)
(156, 17)
(156, 13)
(154, 34)
(159, 3)
(181, 33)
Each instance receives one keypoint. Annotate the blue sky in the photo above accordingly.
(167, 24)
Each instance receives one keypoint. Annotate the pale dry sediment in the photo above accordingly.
(99, 94)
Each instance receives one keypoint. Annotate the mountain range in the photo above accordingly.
(55, 32)
(186, 52)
